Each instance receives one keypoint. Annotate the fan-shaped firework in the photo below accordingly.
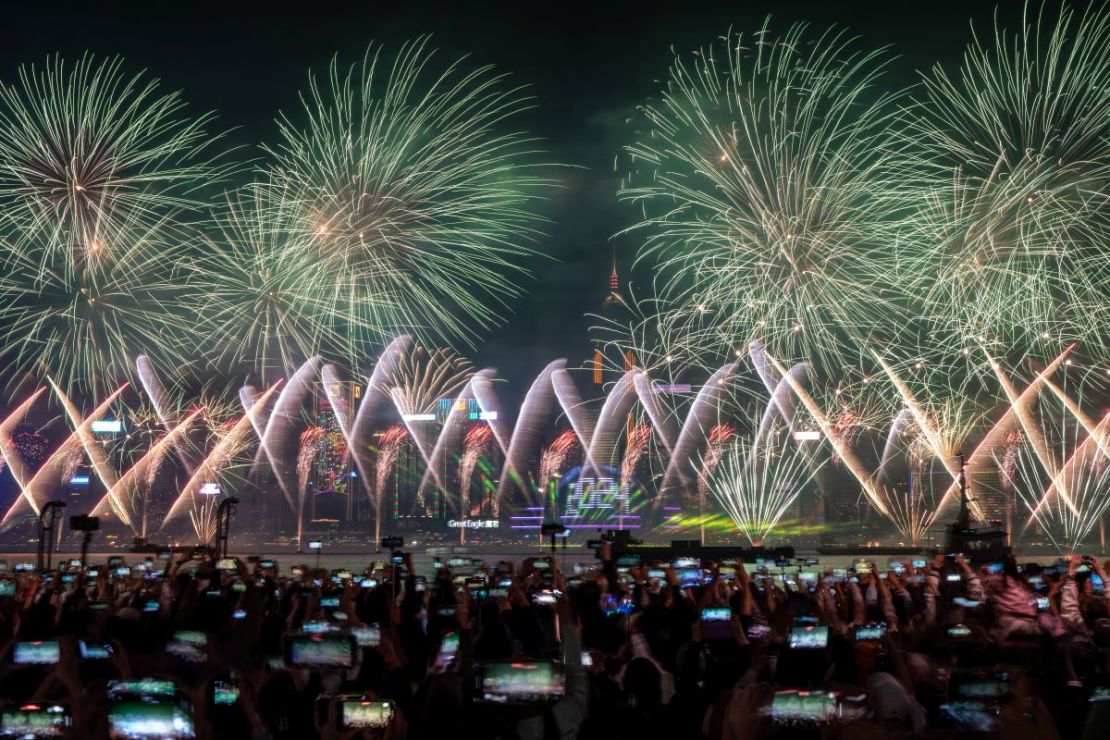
(762, 181)
(758, 480)
(1012, 156)
(417, 197)
(99, 173)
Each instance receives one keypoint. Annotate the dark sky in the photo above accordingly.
(588, 65)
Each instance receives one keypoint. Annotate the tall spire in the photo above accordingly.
(614, 282)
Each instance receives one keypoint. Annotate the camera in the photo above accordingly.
(84, 523)
(393, 543)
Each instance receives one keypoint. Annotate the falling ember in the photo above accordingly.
(388, 450)
(476, 444)
(553, 459)
(634, 450)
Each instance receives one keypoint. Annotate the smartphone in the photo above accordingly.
(224, 693)
(867, 632)
(94, 649)
(330, 650)
(1097, 585)
(123, 571)
(1042, 604)
(141, 687)
(7, 588)
(758, 631)
(298, 570)
(329, 602)
(367, 635)
(808, 637)
(970, 716)
(448, 649)
(239, 614)
(716, 614)
(541, 564)
(519, 683)
(36, 652)
(628, 560)
(995, 569)
(35, 720)
(587, 659)
(361, 713)
(689, 577)
(267, 564)
(316, 545)
(369, 583)
(141, 718)
(686, 563)
(918, 562)
(957, 631)
(165, 555)
(953, 578)
(115, 561)
(1099, 693)
(227, 564)
(793, 707)
(980, 686)
(189, 645)
(544, 598)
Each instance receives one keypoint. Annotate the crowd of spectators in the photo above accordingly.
(609, 649)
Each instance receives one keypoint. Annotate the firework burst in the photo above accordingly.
(1010, 156)
(417, 205)
(761, 176)
(100, 174)
(757, 480)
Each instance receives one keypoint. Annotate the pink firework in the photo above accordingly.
(475, 445)
(554, 457)
(634, 451)
(388, 450)
(311, 439)
(32, 448)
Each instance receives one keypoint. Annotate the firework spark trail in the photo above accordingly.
(388, 450)
(757, 483)
(897, 427)
(526, 432)
(482, 386)
(553, 459)
(376, 398)
(634, 450)
(611, 421)
(452, 431)
(692, 435)
(48, 470)
(983, 452)
(125, 494)
(763, 180)
(717, 441)
(329, 376)
(649, 400)
(1073, 475)
(410, 190)
(419, 379)
(279, 426)
(311, 440)
(476, 444)
(9, 452)
(1033, 432)
(566, 393)
(159, 399)
(220, 453)
(70, 462)
(846, 454)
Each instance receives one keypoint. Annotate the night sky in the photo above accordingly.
(587, 64)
